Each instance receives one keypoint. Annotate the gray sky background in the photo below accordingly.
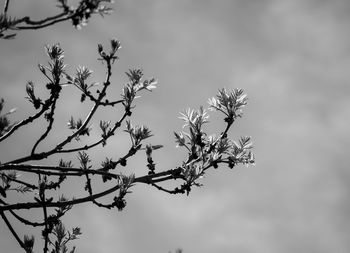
(291, 57)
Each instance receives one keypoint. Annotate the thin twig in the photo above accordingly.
(91, 113)
(49, 127)
(20, 242)
(28, 21)
(46, 233)
(6, 6)
(69, 138)
(35, 27)
(25, 221)
(144, 179)
(21, 219)
(24, 122)
(101, 141)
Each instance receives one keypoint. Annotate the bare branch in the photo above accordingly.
(20, 242)
(6, 6)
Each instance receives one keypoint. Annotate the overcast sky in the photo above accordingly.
(293, 60)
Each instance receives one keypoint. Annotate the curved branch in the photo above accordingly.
(91, 113)
(40, 156)
(35, 24)
(175, 173)
(24, 122)
(101, 141)
(49, 127)
(25, 221)
(30, 205)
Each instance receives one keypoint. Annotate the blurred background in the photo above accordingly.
(292, 58)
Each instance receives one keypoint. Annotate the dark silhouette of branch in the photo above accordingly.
(20, 242)
(6, 6)
(204, 151)
(79, 16)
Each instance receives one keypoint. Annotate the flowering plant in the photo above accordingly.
(41, 184)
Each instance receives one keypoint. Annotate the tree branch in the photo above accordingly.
(24, 122)
(6, 6)
(144, 179)
(49, 127)
(20, 242)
